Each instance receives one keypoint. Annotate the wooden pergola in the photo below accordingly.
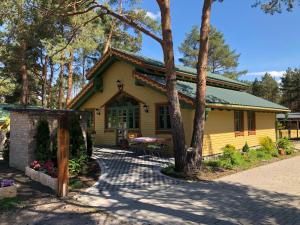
(290, 123)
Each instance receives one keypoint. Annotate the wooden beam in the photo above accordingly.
(63, 156)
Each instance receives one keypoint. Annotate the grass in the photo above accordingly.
(10, 203)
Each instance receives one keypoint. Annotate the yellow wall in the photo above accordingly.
(218, 130)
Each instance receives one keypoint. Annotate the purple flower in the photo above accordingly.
(6, 183)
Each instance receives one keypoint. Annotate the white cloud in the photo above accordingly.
(154, 16)
(276, 74)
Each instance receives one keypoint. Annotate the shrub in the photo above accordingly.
(77, 143)
(231, 157)
(76, 164)
(5, 153)
(246, 147)
(213, 164)
(251, 156)
(43, 151)
(286, 144)
(89, 145)
(267, 144)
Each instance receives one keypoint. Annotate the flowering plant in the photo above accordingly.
(6, 183)
(48, 166)
(35, 165)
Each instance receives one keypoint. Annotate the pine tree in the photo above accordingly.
(221, 59)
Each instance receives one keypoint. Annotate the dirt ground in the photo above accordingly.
(38, 204)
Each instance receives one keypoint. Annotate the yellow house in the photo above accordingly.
(127, 97)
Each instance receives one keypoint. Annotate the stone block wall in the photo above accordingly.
(23, 127)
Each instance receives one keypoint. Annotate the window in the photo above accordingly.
(91, 119)
(122, 112)
(239, 123)
(251, 122)
(163, 122)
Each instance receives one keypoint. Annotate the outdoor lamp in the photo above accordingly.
(119, 84)
(146, 108)
(98, 111)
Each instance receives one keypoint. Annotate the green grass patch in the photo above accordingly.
(75, 183)
(170, 171)
(10, 203)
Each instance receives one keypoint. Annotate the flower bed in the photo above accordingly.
(42, 178)
(7, 189)
(44, 174)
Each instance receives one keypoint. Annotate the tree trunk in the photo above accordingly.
(199, 119)
(172, 94)
(44, 80)
(24, 75)
(111, 31)
(70, 77)
(109, 38)
(61, 86)
(50, 96)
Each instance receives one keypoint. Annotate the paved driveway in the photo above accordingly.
(133, 188)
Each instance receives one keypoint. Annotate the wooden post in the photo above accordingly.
(63, 156)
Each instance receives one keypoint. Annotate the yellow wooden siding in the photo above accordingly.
(220, 126)
(218, 130)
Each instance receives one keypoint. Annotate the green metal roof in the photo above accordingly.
(216, 95)
(184, 69)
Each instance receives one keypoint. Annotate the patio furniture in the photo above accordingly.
(142, 144)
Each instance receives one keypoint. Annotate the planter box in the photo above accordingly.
(8, 192)
(42, 178)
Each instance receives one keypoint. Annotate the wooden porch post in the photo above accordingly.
(63, 156)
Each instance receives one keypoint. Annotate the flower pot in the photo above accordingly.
(8, 192)
(281, 151)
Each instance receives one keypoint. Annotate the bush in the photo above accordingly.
(231, 157)
(286, 144)
(89, 145)
(76, 164)
(213, 164)
(251, 156)
(267, 144)
(246, 147)
(43, 151)
(5, 153)
(77, 143)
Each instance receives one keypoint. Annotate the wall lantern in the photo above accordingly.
(119, 85)
(98, 112)
(146, 108)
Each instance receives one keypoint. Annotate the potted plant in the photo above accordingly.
(281, 151)
(7, 189)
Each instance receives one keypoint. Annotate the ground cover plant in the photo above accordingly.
(233, 160)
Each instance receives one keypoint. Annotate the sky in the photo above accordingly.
(266, 43)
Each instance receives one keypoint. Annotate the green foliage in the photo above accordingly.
(286, 144)
(267, 143)
(89, 144)
(77, 142)
(246, 147)
(10, 203)
(231, 157)
(43, 151)
(290, 85)
(76, 164)
(213, 164)
(170, 171)
(275, 6)
(251, 156)
(221, 59)
(5, 152)
(266, 88)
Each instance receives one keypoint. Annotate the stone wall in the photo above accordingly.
(23, 127)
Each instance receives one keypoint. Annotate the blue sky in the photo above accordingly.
(265, 42)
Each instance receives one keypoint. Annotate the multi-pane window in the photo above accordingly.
(251, 121)
(91, 119)
(239, 121)
(163, 117)
(125, 118)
